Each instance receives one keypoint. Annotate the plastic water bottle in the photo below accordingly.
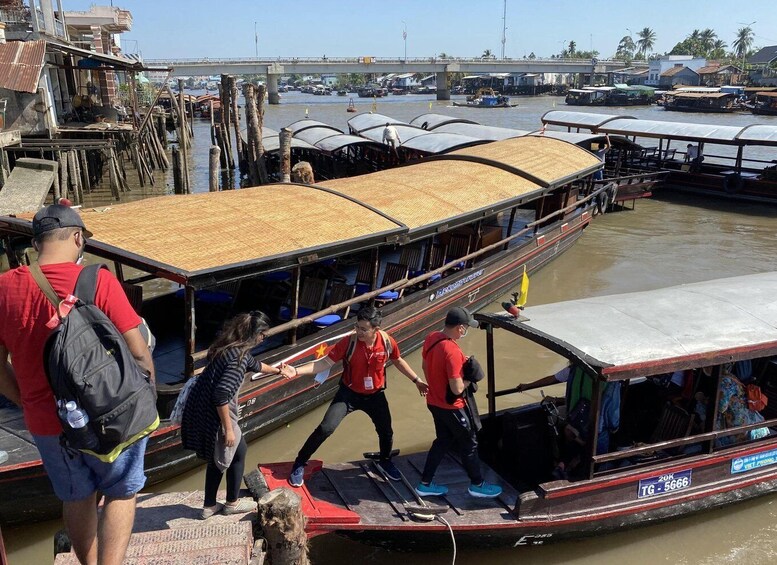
(77, 419)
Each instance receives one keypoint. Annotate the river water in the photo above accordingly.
(667, 240)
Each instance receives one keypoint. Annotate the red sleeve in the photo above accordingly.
(337, 353)
(454, 362)
(110, 298)
(394, 348)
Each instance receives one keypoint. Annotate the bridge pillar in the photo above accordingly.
(272, 89)
(443, 92)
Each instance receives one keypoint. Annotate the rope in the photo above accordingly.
(453, 538)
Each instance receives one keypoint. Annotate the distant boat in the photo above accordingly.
(486, 98)
(709, 102)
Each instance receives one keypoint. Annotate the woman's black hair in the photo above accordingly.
(244, 331)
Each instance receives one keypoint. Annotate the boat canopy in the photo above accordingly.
(705, 95)
(486, 133)
(362, 122)
(433, 121)
(307, 123)
(658, 331)
(205, 238)
(759, 135)
(272, 143)
(674, 130)
(337, 142)
(440, 142)
(315, 134)
(405, 132)
(585, 140)
(588, 120)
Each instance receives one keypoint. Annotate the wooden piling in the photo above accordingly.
(260, 93)
(235, 115)
(285, 150)
(254, 136)
(74, 178)
(177, 181)
(283, 524)
(113, 175)
(62, 173)
(184, 142)
(213, 168)
(226, 112)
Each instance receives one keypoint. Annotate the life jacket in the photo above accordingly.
(347, 378)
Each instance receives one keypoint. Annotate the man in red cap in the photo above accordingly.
(443, 364)
(59, 237)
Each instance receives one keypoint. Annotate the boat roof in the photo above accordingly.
(585, 139)
(589, 120)
(306, 123)
(365, 121)
(337, 142)
(657, 331)
(486, 133)
(716, 94)
(676, 130)
(316, 133)
(433, 121)
(272, 143)
(759, 134)
(406, 132)
(204, 238)
(440, 142)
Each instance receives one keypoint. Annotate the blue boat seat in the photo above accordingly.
(340, 293)
(328, 320)
(285, 312)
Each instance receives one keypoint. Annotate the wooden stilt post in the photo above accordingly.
(254, 136)
(62, 172)
(235, 115)
(260, 91)
(177, 181)
(285, 150)
(184, 143)
(226, 112)
(213, 168)
(283, 524)
(113, 174)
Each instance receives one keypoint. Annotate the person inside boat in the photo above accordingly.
(445, 367)
(601, 153)
(365, 354)
(733, 409)
(391, 137)
(575, 415)
(693, 155)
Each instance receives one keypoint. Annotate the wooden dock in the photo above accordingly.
(169, 531)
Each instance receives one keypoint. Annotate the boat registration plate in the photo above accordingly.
(664, 484)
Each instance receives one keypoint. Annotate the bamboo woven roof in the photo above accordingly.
(550, 162)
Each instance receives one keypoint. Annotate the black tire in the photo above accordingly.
(732, 183)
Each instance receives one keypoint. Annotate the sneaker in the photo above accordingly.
(485, 490)
(431, 489)
(209, 511)
(240, 507)
(297, 477)
(390, 470)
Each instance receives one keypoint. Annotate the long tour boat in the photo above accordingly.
(453, 230)
(677, 450)
(727, 161)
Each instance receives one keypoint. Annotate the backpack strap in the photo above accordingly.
(44, 284)
(86, 285)
(347, 359)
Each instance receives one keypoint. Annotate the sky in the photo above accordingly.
(349, 28)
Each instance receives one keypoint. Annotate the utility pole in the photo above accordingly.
(256, 41)
(404, 38)
(504, 28)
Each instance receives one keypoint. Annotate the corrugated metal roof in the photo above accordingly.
(673, 130)
(20, 65)
(588, 120)
(644, 333)
(765, 55)
(700, 94)
(440, 142)
(675, 70)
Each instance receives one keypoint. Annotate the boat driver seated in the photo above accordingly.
(693, 156)
(574, 416)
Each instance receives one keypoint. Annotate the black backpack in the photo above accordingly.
(88, 361)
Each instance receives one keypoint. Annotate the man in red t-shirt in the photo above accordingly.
(443, 364)
(59, 237)
(361, 388)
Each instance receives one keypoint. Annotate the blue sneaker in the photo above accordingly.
(431, 489)
(390, 470)
(297, 477)
(485, 490)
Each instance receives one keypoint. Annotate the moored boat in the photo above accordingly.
(709, 102)
(765, 104)
(306, 254)
(726, 163)
(486, 98)
(673, 455)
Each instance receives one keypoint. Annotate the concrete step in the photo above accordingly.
(26, 188)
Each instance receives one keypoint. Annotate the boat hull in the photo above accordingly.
(25, 492)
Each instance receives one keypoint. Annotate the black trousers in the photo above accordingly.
(453, 429)
(234, 475)
(346, 401)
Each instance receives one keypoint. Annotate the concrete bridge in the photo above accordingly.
(274, 68)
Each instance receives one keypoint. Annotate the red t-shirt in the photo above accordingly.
(442, 361)
(24, 311)
(367, 372)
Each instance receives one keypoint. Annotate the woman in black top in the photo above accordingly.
(209, 424)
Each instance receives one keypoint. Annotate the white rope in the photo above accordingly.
(453, 538)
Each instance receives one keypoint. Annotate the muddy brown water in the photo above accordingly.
(667, 240)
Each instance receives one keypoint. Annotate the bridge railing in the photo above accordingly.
(369, 60)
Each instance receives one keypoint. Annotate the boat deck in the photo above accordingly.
(15, 440)
(354, 496)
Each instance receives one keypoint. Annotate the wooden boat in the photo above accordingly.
(710, 102)
(586, 96)
(663, 464)
(296, 252)
(729, 168)
(765, 104)
(617, 95)
(486, 98)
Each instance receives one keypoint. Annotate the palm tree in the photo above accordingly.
(626, 47)
(707, 39)
(572, 47)
(718, 50)
(743, 42)
(487, 54)
(647, 38)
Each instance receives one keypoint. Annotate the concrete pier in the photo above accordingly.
(168, 529)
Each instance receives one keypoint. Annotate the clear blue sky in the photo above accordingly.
(339, 28)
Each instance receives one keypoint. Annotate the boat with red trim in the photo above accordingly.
(453, 230)
(678, 450)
